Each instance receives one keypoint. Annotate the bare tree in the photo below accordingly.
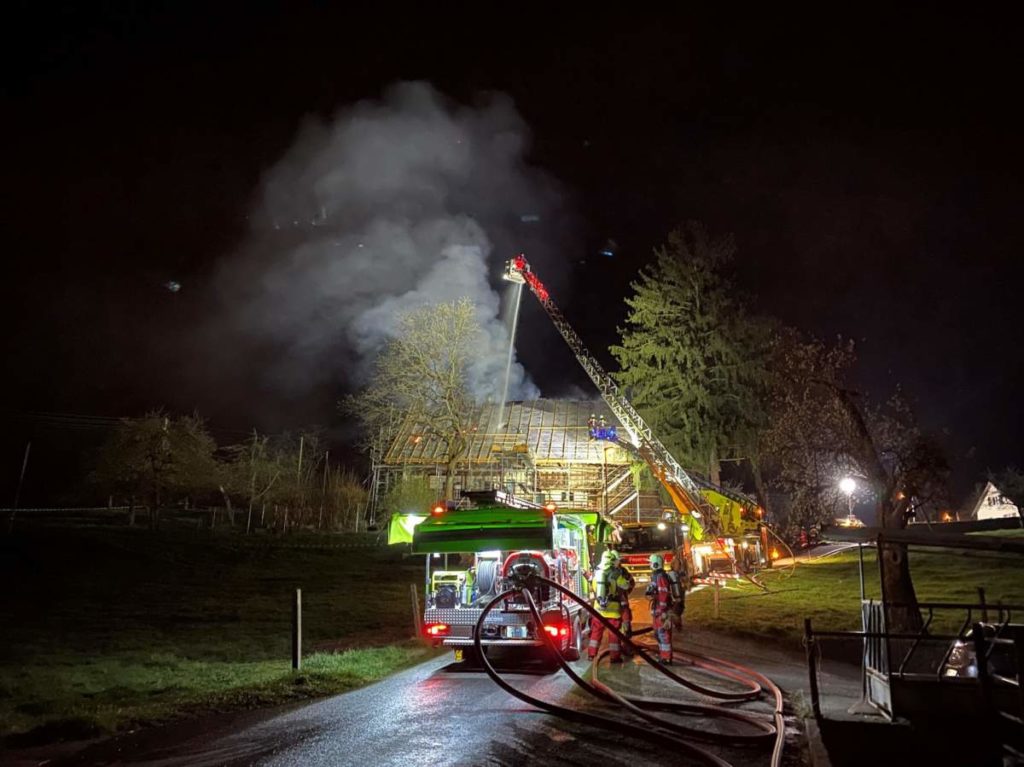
(158, 458)
(422, 375)
(345, 501)
(252, 472)
(821, 430)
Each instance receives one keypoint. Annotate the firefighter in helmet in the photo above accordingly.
(627, 612)
(660, 591)
(608, 587)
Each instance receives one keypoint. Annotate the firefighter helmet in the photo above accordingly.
(609, 558)
(657, 562)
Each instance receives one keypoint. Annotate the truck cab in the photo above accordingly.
(638, 540)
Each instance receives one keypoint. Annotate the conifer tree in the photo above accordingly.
(690, 359)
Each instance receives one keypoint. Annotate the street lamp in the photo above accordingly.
(847, 485)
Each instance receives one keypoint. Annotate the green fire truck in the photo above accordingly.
(470, 554)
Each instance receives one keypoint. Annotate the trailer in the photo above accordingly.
(471, 555)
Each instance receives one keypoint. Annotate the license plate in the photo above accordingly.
(515, 632)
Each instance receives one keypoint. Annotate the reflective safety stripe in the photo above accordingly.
(663, 635)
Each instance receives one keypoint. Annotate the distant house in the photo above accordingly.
(992, 504)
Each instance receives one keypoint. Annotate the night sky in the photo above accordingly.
(869, 165)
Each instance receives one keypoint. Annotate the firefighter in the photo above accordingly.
(616, 536)
(662, 607)
(627, 611)
(608, 587)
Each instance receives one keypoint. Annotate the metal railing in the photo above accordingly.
(890, 656)
(1006, 711)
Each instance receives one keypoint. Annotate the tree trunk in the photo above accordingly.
(760, 489)
(897, 584)
(898, 587)
(227, 502)
(131, 511)
(456, 447)
(714, 468)
(449, 478)
(154, 509)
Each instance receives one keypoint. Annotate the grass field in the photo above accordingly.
(828, 592)
(106, 628)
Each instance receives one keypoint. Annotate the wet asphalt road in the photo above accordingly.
(432, 714)
(441, 713)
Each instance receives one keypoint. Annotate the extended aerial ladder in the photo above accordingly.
(681, 487)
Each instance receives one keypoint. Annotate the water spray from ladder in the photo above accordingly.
(511, 351)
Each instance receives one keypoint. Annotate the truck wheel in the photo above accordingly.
(575, 648)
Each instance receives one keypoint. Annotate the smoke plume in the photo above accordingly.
(395, 203)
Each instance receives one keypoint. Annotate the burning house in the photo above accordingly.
(540, 450)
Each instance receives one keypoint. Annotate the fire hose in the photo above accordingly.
(664, 731)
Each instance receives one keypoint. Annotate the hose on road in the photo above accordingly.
(664, 731)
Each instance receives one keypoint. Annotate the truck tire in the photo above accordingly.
(575, 649)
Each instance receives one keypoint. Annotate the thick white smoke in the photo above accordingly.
(393, 204)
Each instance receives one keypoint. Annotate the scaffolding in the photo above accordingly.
(545, 453)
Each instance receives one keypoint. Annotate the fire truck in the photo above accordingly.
(638, 540)
(718, 529)
(471, 552)
(741, 548)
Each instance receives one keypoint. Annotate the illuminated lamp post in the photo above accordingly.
(847, 485)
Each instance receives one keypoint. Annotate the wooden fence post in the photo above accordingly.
(812, 668)
(417, 618)
(297, 630)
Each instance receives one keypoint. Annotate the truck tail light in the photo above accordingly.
(557, 630)
(437, 629)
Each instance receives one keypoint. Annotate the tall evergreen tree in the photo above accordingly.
(690, 359)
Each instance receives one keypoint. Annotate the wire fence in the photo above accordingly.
(261, 523)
